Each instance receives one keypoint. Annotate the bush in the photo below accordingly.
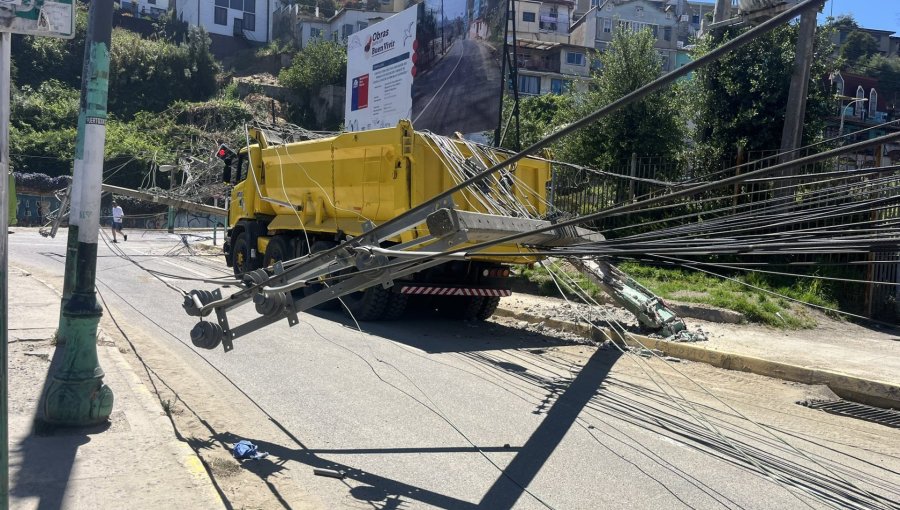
(41, 182)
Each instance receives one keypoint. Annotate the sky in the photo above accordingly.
(878, 14)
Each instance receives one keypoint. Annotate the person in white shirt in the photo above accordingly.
(117, 214)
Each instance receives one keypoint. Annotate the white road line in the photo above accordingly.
(445, 82)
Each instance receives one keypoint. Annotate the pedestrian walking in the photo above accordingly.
(117, 215)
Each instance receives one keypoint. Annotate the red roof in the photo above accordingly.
(852, 82)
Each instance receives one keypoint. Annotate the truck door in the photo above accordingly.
(243, 195)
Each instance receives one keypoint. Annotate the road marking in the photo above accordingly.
(463, 46)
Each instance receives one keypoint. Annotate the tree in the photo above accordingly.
(539, 116)
(887, 71)
(318, 65)
(321, 63)
(148, 75)
(649, 127)
(740, 99)
(858, 45)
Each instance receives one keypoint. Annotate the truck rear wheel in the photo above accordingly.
(396, 306)
(369, 304)
(276, 250)
(464, 308)
(488, 307)
(242, 262)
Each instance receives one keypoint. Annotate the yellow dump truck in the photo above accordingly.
(291, 199)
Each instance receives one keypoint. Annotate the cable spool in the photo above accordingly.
(207, 335)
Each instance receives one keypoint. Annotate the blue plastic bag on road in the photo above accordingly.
(246, 450)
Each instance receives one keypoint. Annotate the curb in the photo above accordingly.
(857, 389)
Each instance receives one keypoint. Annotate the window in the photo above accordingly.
(637, 26)
(639, 11)
(667, 33)
(361, 25)
(220, 16)
(858, 107)
(574, 58)
(346, 30)
(669, 14)
(607, 25)
(249, 21)
(873, 102)
(528, 16)
(221, 3)
(559, 86)
(315, 33)
(529, 84)
(151, 2)
(237, 4)
(664, 61)
(250, 6)
(695, 19)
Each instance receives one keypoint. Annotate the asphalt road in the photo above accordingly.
(460, 93)
(425, 413)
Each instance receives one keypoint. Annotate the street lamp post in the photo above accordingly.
(844, 110)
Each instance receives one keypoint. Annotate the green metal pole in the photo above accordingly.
(62, 332)
(76, 394)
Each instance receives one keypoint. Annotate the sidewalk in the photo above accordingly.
(135, 461)
(848, 357)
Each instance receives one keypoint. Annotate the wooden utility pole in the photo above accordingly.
(792, 133)
(721, 12)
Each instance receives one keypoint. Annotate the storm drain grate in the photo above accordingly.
(889, 417)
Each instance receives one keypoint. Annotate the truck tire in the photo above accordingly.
(396, 306)
(369, 304)
(241, 260)
(488, 307)
(277, 250)
(334, 304)
(465, 308)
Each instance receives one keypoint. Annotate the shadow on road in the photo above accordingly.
(431, 333)
(510, 484)
(48, 453)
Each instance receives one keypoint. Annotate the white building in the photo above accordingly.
(303, 27)
(247, 19)
(153, 8)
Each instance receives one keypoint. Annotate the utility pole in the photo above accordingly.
(76, 394)
(721, 12)
(792, 133)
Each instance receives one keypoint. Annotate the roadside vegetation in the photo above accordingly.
(752, 294)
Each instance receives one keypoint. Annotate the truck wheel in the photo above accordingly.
(396, 306)
(369, 304)
(334, 304)
(277, 250)
(460, 307)
(488, 307)
(242, 262)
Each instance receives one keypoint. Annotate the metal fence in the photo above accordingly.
(579, 191)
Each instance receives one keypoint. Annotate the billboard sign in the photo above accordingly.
(380, 71)
(38, 17)
(434, 63)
